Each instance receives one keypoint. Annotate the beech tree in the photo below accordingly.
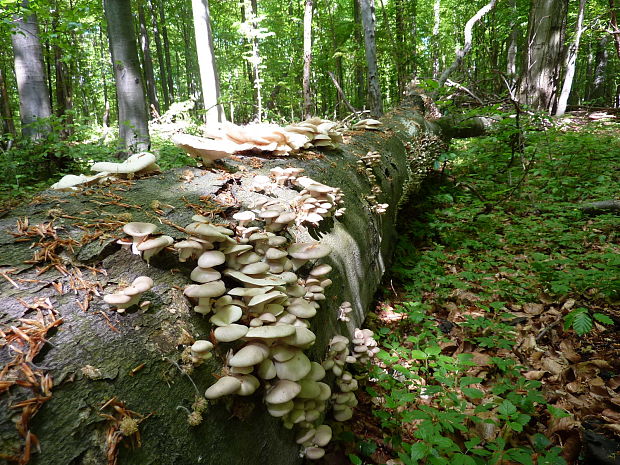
(132, 114)
(375, 100)
(543, 54)
(34, 98)
(214, 113)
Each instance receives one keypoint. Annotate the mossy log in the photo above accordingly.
(60, 252)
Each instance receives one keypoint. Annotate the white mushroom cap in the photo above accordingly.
(133, 164)
(211, 258)
(281, 409)
(139, 285)
(252, 354)
(201, 347)
(308, 250)
(266, 369)
(295, 368)
(282, 391)
(302, 338)
(226, 315)
(119, 300)
(204, 275)
(187, 249)
(153, 246)
(320, 270)
(323, 435)
(314, 453)
(230, 332)
(270, 332)
(249, 384)
(309, 389)
(224, 386)
(137, 229)
(211, 289)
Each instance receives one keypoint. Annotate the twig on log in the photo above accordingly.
(341, 94)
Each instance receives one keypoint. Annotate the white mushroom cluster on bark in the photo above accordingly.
(129, 296)
(365, 165)
(137, 164)
(231, 139)
(364, 345)
(369, 123)
(344, 310)
(141, 242)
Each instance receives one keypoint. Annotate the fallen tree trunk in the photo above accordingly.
(95, 377)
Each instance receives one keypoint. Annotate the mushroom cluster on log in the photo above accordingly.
(81, 381)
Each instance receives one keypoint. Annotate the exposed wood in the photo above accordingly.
(341, 93)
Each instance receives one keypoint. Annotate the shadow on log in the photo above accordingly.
(59, 256)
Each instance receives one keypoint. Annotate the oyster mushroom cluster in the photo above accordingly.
(141, 241)
(365, 165)
(317, 201)
(344, 310)
(231, 139)
(130, 295)
(364, 345)
(263, 308)
(137, 164)
(371, 124)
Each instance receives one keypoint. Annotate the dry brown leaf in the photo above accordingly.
(532, 308)
(612, 415)
(569, 352)
(552, 366)
(534, 375)
(614, 383)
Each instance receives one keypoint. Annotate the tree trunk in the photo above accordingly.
(163, 78)
(613, 20)
(132, 113)
(96, 354)
(149, 74)
(64, 97)
(435, 39)
(513, 40)
(8, 126)
(375, 101)
(360, 80)
(214, 113)
(571, 62)
(466, 47)
(543, 54)
(307, 91)
(599, 86)
(34, 99)
(164, 35)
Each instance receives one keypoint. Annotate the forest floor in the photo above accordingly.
(500, 322)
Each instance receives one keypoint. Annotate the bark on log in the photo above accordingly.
(130, 357)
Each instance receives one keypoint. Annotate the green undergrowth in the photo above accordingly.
(487, 238)
(29, 167)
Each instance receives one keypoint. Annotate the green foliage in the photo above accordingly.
(512, 234)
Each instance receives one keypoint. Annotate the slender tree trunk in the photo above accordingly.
(105, 120)
(467, 45)
(571, 61)
(251, 10)
(8, 126)
(307, 58)
(163, 78)
(395, 48)
(214, 113)
(543, 54)
(132, 114)
(34, 100)
(149, 74)
(613, 19)
(360, 78)
(164, 36)
(375, 101)
(435, 43)
(513, 40)
(64, 100)
(598, 92)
